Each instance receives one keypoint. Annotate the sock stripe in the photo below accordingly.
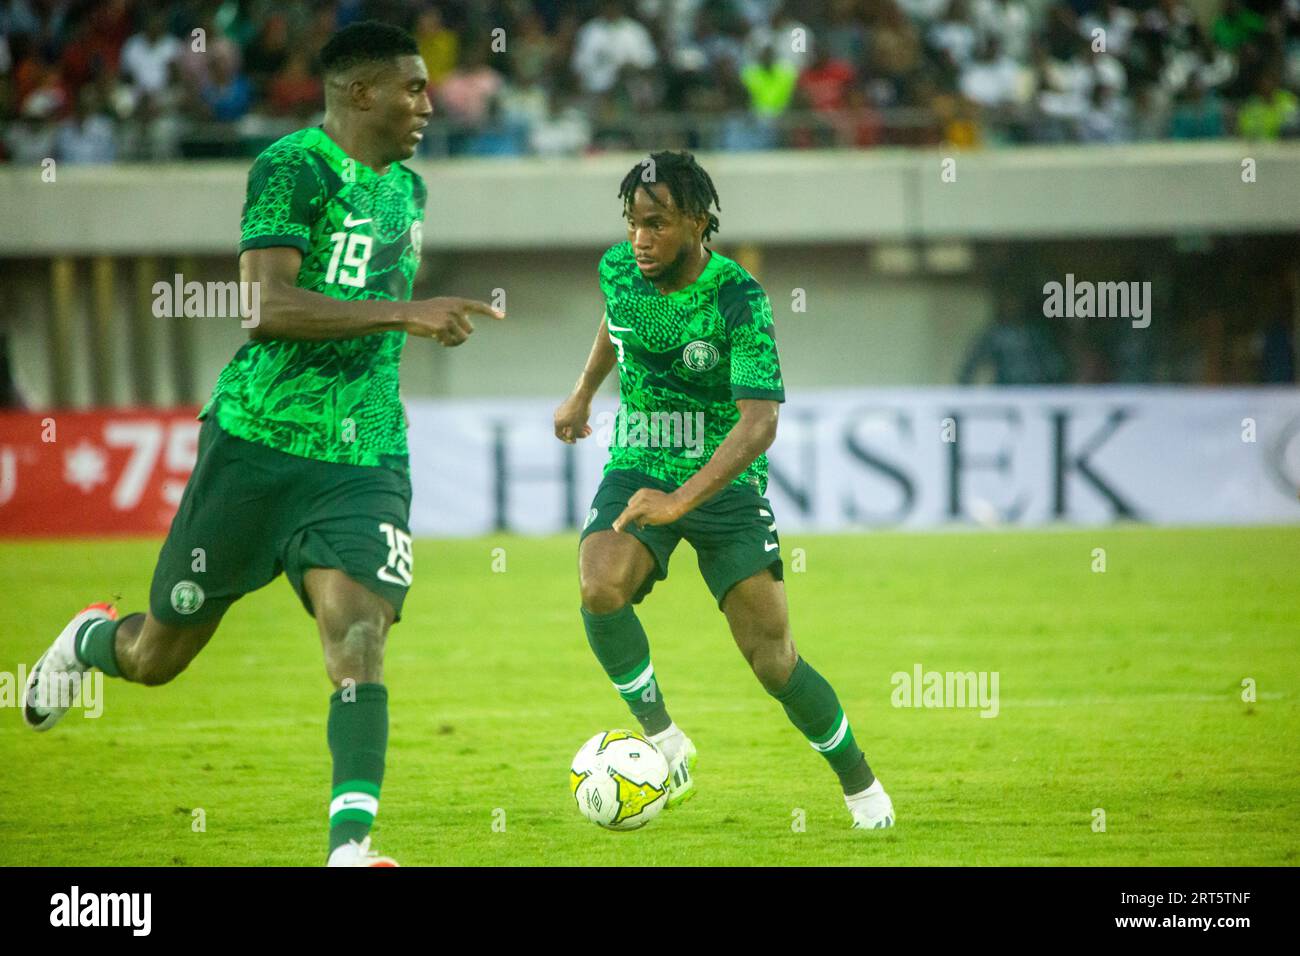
(642, 678)
(84, 635)
(355, 786)
(361, 807)
(835, 739)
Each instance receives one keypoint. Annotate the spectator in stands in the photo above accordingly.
(845, 34)
(825, 84)
(1236, 25)
(609, 44)
(523, 103)
(895, 49)
(742, 129)
(29, 141)
(1106, 119)
(1269, 113)
(228, 94)
(88, 136)
(439, 46)
(147, 58)
(1065, 91)
(268, 54)
(954, 34)
(467, 95)
(46, 96)
(992, 79)
(924, 11)
(1150, 115)
(770, 83)
(565, 132)
(1116, 23)
(532, 52)
(790, 38)
(295, 91)
(1197, 114)
(197, 56)
(1006, 21)
(859, 124)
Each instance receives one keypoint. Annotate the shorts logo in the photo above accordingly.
(700, 356)
(591, 516)
(187, 597)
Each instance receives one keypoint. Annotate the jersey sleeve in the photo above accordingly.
(284, 197)
(755, 365)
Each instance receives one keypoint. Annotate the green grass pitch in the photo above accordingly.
(1119, 691)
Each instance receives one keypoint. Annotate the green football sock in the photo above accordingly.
(811, 704)
(96, 644)
(358, 738)
(620, 645)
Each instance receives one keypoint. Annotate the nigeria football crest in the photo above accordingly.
(187, 597)
(700, 356)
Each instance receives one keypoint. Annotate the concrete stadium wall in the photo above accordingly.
(814, 197)
(846, 228)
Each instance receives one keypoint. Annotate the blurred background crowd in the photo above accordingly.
(123, 79)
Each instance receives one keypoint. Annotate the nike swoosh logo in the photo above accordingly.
(349, 222)
(353, 802)
(770, 546)
(617, 328)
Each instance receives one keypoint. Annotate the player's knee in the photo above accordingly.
(772, 658)
(603, 596)
(354, 647)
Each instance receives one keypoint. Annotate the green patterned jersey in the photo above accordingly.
(683, 360)
(359, 235)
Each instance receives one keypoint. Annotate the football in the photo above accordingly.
(619, 780)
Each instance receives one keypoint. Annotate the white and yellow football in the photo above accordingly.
(619, 780)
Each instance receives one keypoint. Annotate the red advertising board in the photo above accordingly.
(94, 473)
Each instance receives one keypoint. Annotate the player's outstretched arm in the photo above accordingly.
(748, 438)
(572, 415)
(289, 312)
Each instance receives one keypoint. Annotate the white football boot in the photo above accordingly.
(681, 756)
(58, 673)
(353, 853)
(871, 809)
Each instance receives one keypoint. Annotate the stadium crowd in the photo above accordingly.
(122, 79)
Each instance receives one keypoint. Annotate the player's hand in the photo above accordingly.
(650, 507)
(446, 319)
(571, 418)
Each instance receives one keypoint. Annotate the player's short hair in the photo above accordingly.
(369, 41)
(689, 185)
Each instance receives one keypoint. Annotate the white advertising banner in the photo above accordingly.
(907, 458)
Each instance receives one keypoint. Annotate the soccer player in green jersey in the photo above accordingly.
(700, 387)
(302, 460)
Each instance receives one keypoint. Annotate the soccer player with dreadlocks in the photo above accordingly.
(700, 388)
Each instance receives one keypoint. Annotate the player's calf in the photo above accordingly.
(353, 623)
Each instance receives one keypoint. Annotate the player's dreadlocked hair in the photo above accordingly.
(366, 42)
(690, 186)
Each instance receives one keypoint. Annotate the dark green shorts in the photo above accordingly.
(733, 533)
(250, 512)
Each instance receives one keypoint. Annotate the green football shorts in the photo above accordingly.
(250, 512)
(733, 533)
